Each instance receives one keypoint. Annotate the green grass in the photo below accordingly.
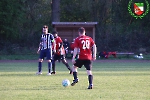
(113, 80)
(34, 56)
(19, 57)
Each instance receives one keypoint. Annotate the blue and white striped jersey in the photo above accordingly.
(46, 41)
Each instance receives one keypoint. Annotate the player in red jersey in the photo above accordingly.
(86, 45)
(60, 53)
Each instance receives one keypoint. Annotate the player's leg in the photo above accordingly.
(78, 64)
(53, 63)
(90, 79)
(41, 57)
(49, 58)
(75, 72)
(39, 67)
(53, 67)
(88, 66)
(49, 67)
(64, 61)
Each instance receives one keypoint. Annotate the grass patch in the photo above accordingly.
(34, 56)
(113, 80)
(19, 57)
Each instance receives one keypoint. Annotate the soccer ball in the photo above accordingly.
(65, 82)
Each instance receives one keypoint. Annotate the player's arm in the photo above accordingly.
(59, 40)
(39, 47)
(68, 45)
(53, 42)
(94, 51)
(54, 45)
(61, 45)
(75, 52)
(66, 48)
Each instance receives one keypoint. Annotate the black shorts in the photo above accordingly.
(87, 64)
(58, 57)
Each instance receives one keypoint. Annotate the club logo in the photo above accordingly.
(138, 9)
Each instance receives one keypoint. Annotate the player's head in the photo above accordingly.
(55, 33)
(45, 29)
(66, 40)
(81, 31)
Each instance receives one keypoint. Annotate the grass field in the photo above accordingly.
(113, 80)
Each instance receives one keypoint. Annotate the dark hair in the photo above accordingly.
(81, 30)
(45, 26)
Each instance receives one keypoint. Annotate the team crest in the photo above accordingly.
(138, 9)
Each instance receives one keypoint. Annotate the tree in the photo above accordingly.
(22, 20)
(11, 15)
(55, 10)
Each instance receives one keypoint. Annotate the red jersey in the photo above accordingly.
(58, 41)
(85, 44)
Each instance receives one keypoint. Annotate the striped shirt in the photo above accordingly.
(46, 41)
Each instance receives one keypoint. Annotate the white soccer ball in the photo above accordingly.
(65, 83)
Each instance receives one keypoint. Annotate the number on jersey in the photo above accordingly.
(86, 44)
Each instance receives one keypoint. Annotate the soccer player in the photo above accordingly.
(72, 47)
(86, 46)
(60, 53)
(66, 46)
(45, 49)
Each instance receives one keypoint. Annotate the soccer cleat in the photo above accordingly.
(48, 74)
(74, 82)
(90, 87)
(38, 73)
(53, 72)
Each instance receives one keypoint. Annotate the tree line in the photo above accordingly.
(22, 21)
